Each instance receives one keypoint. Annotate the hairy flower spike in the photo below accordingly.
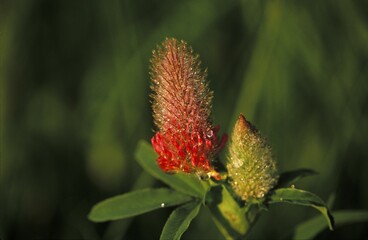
(250, 165)
(186, 140)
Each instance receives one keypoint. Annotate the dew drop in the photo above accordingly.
(162, 205)
(209, 134)
(292, 186)
(281, 199)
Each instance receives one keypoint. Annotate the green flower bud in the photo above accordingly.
(251, 167)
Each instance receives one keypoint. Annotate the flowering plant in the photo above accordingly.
(186, 146)
(186, 140)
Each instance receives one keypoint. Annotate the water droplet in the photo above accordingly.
(292, 186)
(281, 199)
(162, 205)
(209, 134)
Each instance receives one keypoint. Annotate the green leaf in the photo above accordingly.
(184, 183)
(179, 220)
(304, 198)
(117, 229)
(310, 228)
(226, 213)
(135, 203)
(287, 178)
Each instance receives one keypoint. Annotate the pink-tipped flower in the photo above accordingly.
(186, 140)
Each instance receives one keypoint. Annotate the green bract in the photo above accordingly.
(251, 168)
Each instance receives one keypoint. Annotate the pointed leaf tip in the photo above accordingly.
(304, 198)
(289, 177)
(184, 183)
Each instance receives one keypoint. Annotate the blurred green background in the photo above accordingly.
(74, 102)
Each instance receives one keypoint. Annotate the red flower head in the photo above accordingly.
(186, 140)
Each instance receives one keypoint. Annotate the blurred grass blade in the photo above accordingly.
(310, 228)
(304, 198)
(179, 220)
(287, 178)
(226, 213)
(185, 183)
(135, 203)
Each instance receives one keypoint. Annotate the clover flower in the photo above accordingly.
(185, 140)
(251, 167)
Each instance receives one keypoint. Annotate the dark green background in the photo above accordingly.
(74, 102)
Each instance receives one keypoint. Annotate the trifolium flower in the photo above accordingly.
(251, 167)
(185, 140)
